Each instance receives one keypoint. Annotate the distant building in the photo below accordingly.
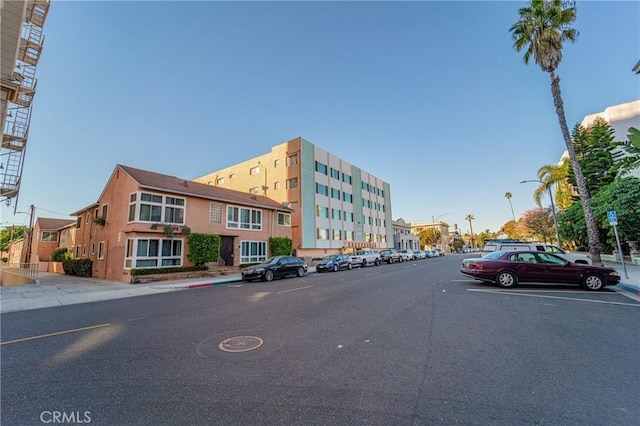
(403, 238)
(336, 205)
(441, 227)
(48, 236)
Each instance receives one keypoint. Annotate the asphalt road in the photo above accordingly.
(412, 343)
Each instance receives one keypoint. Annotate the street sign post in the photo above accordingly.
(613, 221)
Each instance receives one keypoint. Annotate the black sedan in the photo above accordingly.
(334, 262)
(508, 268)
(275, 267)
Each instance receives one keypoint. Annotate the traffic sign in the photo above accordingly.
(613, 218)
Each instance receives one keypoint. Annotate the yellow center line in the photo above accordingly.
(294, 289)
(75, 330)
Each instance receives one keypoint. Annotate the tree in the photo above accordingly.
(429, 237)
(539, 223)
(470, 217)
(621, 196)
(508, 197)
(629, 154)
(510, 228)
(594, 148)
(554, 176)
(541, 30)
(11, 234)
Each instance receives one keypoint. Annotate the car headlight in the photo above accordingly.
(614, 273)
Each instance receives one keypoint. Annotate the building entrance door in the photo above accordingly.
(226, 250)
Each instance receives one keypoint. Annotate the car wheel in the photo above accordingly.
(364, 263)
(300, 271)
(592, 282)
(350, 267)
(335, 268)
(268, 276)
(377, 262)
(390, 261)
(506, 279)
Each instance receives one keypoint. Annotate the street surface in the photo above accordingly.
(409, 344)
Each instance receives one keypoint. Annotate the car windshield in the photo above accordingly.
(270, 261)
(494, 255)
(360, 253)
(330, 257)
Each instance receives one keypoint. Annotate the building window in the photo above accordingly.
(232, 176)
(84, 250)
(321, 168)
(365, 186)
(254, 170)
(335, 193)
(292, 183)
(284, 219)
(154, 207)
(292, 160)
(336, 214)
(79, 222)
(335, 173)
(105, 210)
(323, 234)
(276, 185)
(322, 189)
(276, 163)
(255, 190)
(348, 198)
(77, 252)
(346, 178)
(215, 213)
(153, 253)
(220, 181)
(253, 251)
(337, 234)
(322, 211)
(49, 236)
(348, 235)
(348, 216)
(101, 250)
(242, 218)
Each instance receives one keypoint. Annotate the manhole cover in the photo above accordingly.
(240, 344)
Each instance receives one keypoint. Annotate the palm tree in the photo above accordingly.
(554, 176)
(540, 31)
(470, 217)
(508, 196)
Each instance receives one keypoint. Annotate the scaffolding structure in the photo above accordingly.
(21, 89)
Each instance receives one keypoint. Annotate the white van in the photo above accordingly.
(508, 246)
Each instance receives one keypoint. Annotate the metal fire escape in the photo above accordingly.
(16, 128)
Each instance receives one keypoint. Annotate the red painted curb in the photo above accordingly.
(200, 285)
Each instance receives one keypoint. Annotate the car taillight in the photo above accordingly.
(475, 266)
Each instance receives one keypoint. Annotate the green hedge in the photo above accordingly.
(150, 271)
(78, 267)
(280, 246)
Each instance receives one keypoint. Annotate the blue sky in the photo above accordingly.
(429, 96)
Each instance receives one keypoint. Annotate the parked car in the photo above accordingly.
(523, 245)
(390, 256)
(334, 262)
(508, 268)
(438, 251)
(429, 253)
(275, 267)
(407, 254)
(366, 257)
(419, 254)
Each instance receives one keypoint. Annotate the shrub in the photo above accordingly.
(203, 248)
(78, 267)
(60, 254)
(280, 246)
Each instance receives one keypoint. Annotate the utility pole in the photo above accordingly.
(29, 240)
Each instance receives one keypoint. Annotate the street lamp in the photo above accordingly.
(433, 220)
(553, 208)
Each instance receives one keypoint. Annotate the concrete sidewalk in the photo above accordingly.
(59, 290)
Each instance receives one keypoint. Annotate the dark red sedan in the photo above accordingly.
(508, 268)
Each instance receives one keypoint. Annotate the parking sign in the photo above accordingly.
(613, 218)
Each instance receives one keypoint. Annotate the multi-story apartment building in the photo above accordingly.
(142, 219)
(336, 205)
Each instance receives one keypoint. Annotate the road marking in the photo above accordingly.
(294, 289)
(75, 330)
(553, 297)
(373, 273)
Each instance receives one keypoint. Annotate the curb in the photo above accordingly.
(199, 285)
(630, 288)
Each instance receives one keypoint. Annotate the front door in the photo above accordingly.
(226, 250)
